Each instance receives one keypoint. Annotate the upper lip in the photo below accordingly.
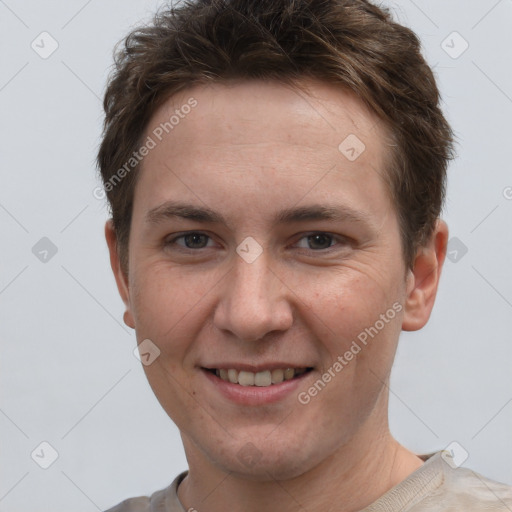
(254, 368)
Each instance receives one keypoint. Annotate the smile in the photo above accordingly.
(250, 385)
(263, 378)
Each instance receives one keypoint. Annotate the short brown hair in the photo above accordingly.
(351, 43)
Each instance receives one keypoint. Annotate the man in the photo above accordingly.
(276, 172)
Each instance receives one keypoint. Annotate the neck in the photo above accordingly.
(354, 476)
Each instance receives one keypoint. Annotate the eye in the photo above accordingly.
(317, 241)
(321, 241)
(192, 240)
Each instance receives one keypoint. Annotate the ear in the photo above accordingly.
(121, 277)
(423, 279)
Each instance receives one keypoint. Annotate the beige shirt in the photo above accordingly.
(434, 487)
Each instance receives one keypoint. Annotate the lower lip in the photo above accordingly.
(255, 395)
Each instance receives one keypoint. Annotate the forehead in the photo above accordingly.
(264, 135)
(252, 112)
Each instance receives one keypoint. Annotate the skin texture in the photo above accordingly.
(247, 151)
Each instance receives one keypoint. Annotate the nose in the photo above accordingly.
(253, 301)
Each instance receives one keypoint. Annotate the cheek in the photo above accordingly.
(358, 319)
(165, 306)
(349, 303)
(164, 295)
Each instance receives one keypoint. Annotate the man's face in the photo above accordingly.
(266, 289)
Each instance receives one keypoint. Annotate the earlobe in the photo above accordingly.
(128, 319)
(423, 279)
(120, 277)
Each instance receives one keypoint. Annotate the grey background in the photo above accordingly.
(68, 374)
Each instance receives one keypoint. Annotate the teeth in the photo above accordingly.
(233, 376)
(261, 379)
(246, 379)
(289, 373)
(277, 376)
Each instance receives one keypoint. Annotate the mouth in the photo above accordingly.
(249, 385)
(261, 379)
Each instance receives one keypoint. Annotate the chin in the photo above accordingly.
(266, 462)
(267, 470)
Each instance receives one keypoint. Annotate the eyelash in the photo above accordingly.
(343, 240)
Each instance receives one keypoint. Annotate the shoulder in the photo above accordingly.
(465, 489)
(164, 499)
(140, 504)
(471, 491)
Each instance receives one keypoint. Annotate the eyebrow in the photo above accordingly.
(174, 209)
